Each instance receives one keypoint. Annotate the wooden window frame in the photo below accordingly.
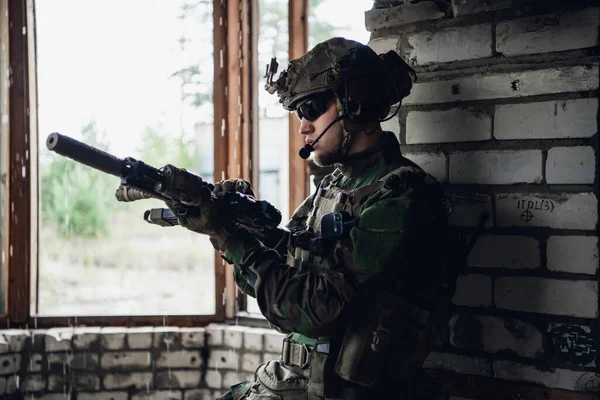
(233, 143)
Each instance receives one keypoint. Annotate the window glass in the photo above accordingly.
(273, 129)
(3, 150)
(134, 79)
(330, 18)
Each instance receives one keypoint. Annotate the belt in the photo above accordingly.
(295, 354)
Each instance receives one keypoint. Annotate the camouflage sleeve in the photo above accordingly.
(291, 299)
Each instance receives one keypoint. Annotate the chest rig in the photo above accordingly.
(322, 241)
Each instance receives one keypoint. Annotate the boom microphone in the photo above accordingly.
(308, 148)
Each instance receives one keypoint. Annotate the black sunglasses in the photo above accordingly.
(314, 106)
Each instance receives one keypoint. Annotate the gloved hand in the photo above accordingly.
(234, 185)
(205, 218)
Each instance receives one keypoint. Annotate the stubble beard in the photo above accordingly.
(327, 159)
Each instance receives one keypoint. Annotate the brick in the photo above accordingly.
(167, 338)
(576, 254)
(384, 44)
(551, 377)
(548, 33)
(179, 358)
(215, 334)
(34, 383)
(15, 340)
(573, 344)
(231, 378)
(250, 361)
(392, 125)
(140, 338)
(473, 290)
(467, 209)
(271, 356)
(77, 361)
(87, 338)
(574, 164)
(227, 359)
(233, 337)
(496, 167)
(113, 338)
(554, 210)
(546, 119)
(158, 395)
(58, 339)
(432, 163)
(10, 364)
(192, 338)
(102, 396)
(466, 7)
(493, 335)
(125, 360)
(214, 380)
(75, 382)
(548, 296)
(458, 363)
(11, 384)
(253, 339)
(139, 380)
(198, 394)
(379, 18)
(178, 379)
(54, 396)
(498, 86)
(35, 363)
(455, 125)
(273, 341)
(450, 44)
(505, 252)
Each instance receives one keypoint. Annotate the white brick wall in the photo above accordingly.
(577, 254)
(450, 44)
(548, 33)
(555, 210)
(458, 363)
(496, 334)
(454, 125)
(555, 378)
(496, 167)
(473, 290)
(546, 119)
(547, 296)
(383, 45)
(505, 251)
(401, 15)
(432, 163)
(465, 7)
(468, 208)
(576, 164)
(499, 86)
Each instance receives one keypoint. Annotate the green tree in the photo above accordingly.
(76, 199)
(158, 149)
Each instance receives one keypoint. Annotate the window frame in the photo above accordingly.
(235, 124)
(21, 204)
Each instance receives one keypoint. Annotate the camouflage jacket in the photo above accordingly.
(304, 290)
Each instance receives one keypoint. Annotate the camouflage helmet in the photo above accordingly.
(336, 61)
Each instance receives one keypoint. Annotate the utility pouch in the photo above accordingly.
(363, 352)
(322, 381)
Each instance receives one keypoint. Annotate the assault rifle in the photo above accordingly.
(169, 183)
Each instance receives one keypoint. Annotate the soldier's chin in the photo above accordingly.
(324, 160)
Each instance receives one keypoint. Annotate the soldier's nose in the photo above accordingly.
(306, 127)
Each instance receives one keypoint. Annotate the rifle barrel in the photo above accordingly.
(85, 154)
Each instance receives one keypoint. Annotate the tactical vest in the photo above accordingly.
(371, 344)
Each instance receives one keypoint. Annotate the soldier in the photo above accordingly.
(357, 277)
